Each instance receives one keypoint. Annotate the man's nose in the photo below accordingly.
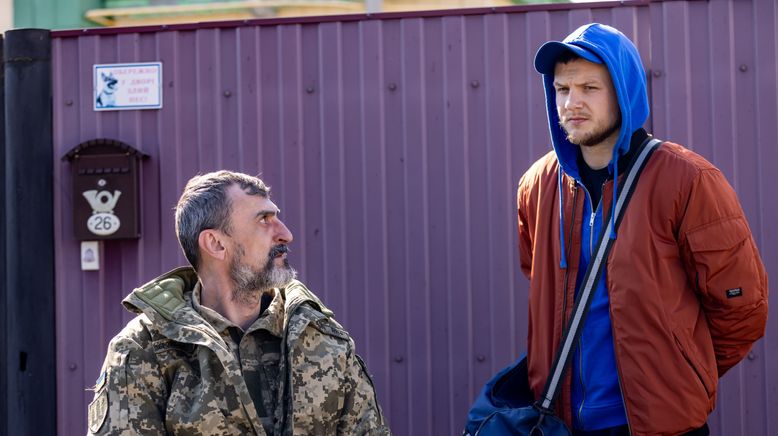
(284, 236)
(573, 100)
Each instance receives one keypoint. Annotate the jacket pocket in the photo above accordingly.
(687, 350)
(725, 262)
(719, 236)
(196, 407)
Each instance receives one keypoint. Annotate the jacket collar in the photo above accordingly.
(165, 299)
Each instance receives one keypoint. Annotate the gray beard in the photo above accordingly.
(250, 283)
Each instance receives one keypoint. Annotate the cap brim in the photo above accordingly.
(548, 53)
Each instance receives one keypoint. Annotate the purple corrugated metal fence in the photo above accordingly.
(394, 144)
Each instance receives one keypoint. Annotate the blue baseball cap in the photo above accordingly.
(548, 53)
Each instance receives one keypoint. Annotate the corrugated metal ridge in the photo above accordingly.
(349, 18)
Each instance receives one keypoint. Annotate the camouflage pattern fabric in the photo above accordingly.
(170, 370)
(258, 350)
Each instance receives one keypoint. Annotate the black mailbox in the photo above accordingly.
(105, 190)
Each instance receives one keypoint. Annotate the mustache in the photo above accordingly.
(278, 250)
(565, 118)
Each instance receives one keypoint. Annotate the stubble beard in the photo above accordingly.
(250, 283)
(596, 137)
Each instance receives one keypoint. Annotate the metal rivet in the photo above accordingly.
(309, 90)
(398, 359)
(72, 366)
(657, 73)
(68, 102)
(474, 84)
(227, 94)
(751, 355)
(392, 86)
(480, 358)
(743, 68)
(101, 183)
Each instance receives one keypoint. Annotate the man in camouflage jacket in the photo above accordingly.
(232, 348)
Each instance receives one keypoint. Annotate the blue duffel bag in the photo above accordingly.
(506, 406)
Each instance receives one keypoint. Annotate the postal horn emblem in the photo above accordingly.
(102, 222)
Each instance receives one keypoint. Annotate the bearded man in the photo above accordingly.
(232, 345)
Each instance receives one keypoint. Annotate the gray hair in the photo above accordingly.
(205, 205)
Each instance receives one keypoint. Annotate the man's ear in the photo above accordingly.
(212, 244)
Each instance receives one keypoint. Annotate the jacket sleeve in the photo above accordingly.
(330, 390)
(361, 414)
(525, 233)
(130, 392)
(722, 261)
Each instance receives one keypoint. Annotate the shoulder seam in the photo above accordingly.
(669, 148)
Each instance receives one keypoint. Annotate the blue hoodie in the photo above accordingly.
(596, 395)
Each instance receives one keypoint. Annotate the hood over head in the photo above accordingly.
(600, 44)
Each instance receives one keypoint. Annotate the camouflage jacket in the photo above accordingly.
(169, 371)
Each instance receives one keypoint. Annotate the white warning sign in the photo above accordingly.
(127, 86)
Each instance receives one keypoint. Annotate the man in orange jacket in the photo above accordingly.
(684, 292)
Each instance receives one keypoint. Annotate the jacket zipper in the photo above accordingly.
(591, 230)
(580, 340)
(594, 214)
(569, 246)
(581, 377)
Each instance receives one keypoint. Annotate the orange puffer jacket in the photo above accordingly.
(687, 288)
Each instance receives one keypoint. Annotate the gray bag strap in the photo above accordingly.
(590, 280)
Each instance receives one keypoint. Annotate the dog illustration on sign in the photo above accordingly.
(107, 96)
